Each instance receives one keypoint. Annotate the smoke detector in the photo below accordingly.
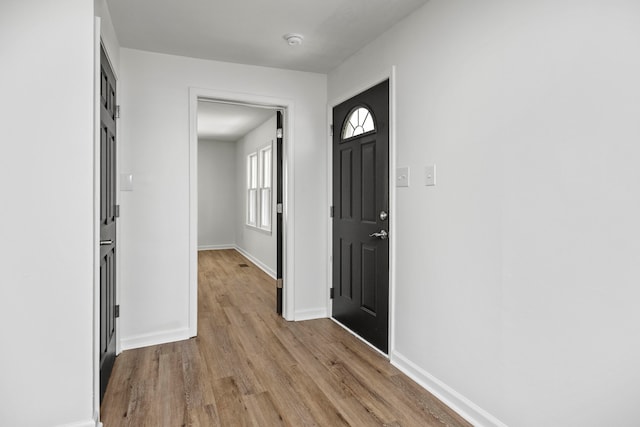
(293, 39)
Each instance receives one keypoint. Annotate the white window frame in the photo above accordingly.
(252, 189)
(260, 188)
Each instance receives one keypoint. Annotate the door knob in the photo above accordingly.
(105, 242)
(382, 235)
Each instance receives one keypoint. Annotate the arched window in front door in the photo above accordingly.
(358, 122)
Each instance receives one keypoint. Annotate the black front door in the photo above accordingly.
(360, 214)
(107, 221)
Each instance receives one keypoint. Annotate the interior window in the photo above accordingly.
(259, 174)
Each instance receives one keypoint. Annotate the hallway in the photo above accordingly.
(250, 367)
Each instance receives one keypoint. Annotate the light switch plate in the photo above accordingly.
(430, 175)
(126, 182)
(402, 176)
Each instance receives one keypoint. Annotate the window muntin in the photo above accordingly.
(358, 122)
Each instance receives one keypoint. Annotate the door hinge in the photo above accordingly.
(116, 311)
(117, 111)
(117, 209)
(279, 208)
(279, 133)
(330, 130)
(331, 211)
(330, 293)
(279, 283)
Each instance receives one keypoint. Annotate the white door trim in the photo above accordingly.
(390, 75)
(287, 105)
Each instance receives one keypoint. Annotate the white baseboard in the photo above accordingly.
(262, 266)
(216, 247)
(146, 340)
(460, 404)
(88, 423)
(315, 313)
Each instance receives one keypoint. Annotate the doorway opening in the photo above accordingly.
(238, 185)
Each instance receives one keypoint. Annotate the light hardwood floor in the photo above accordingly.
(249, 367)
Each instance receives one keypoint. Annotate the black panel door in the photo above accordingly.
(360, 214)
(107, 221)
(279, 210)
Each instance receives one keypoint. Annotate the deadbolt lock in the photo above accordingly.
(383, 215)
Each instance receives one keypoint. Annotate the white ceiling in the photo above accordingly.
(250, 31)
(229, 122)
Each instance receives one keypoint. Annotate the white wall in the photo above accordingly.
(261, 246)
(517, 275)
(46, 182)
(154, 133)
(216, 194)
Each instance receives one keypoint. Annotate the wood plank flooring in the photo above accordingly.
(249, 367)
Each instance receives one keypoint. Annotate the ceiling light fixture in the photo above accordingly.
(293, 39)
